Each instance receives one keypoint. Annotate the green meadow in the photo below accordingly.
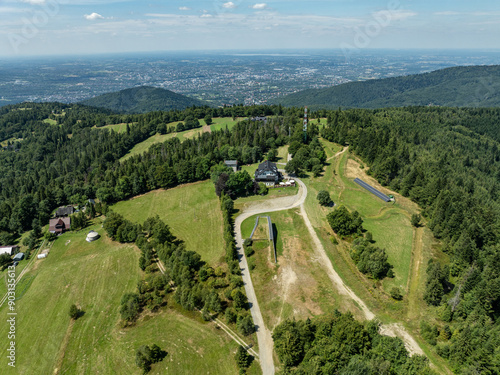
(192, 211)
(217, 124)
(94, 276)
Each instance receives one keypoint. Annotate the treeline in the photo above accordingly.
(338, 344)
(69, 162)
(369, 259)
(436, 157)
(195, 284)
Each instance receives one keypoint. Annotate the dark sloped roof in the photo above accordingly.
(267, 166)
(65, 211)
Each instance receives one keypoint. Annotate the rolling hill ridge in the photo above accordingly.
(142, 99)
(465, 86)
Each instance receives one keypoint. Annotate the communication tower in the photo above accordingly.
(305, 124)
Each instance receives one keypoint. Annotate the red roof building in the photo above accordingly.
(59, 225)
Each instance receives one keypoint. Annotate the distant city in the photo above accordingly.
(248, 77)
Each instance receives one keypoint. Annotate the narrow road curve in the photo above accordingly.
(263, 334)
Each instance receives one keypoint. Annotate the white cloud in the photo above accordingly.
(395, 15)
(206, 15)
(184, 8)
(10, 10)
(34, 2)
(259, 6)
(229, 5)
(94, 16)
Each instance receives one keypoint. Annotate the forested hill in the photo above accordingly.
(467, 86)
(142, 100)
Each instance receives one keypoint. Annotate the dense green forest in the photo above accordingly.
(338, 344)
(445, 159)
(468, 86)
(142, 100)
(436, 157)
(45, 165)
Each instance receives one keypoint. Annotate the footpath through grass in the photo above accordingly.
(390, 226)
(94, 276)
(298, 286)
(192, 211)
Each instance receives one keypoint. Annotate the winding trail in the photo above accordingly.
(264, 337)
(263, 334)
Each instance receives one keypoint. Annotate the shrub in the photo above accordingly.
(324, 198)
(396, 294)
(74, 312)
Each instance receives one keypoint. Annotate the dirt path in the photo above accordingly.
(332, 274)
(416, 263)
(338, 153)
(397, 330)
(263, 334)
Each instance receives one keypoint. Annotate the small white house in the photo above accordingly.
(41, 256)
(11, 250)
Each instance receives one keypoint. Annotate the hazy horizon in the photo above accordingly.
(81, 27)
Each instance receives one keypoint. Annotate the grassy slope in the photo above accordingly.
(95, 276)
(298, 287)
(391, 230)
(192, 212)
(218, 123)
(119, 128)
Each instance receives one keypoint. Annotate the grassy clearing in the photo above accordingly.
(298, 286)
(119, 128)
(218, 123)
(192, 212)
(142, 147)
(95, 276)
(50, 121)
(389, 223)
(391, 229)
(283, 154)
(12, 140)
(193, 347)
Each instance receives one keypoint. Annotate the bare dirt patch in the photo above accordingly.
(206, 129)
(397, 330)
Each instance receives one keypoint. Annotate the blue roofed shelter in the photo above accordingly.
(18, 257)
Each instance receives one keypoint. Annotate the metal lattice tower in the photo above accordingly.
(305, 124)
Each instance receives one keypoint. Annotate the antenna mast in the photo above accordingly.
(305, 124)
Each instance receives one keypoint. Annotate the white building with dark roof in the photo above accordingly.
(268, 173)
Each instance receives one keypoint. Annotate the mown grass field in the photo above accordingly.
(119, 128)
(192, 211)
(95, 276)
(50, 121)
(217, 124)
(390, 225)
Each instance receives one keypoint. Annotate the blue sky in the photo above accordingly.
(44, 27)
